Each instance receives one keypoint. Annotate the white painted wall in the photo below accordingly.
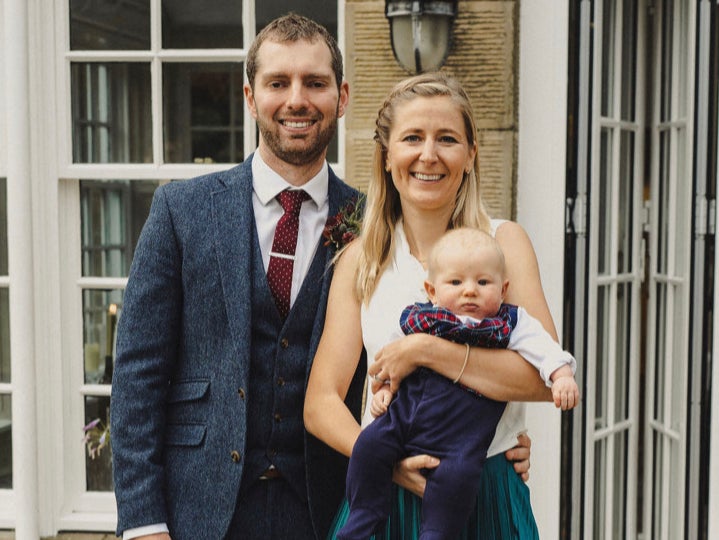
(543, 30)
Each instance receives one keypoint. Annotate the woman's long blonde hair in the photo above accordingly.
(383, 210)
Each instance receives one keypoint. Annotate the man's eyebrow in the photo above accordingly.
(306, 76)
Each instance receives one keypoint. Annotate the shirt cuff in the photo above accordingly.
(147, 529)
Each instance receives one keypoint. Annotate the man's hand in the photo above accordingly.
(407, 473)
(520, 455)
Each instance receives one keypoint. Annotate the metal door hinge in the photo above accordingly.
(704, 215)
(646, 216)
(576, 214)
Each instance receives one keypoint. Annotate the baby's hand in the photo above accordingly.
(380, 401)
(565, 392)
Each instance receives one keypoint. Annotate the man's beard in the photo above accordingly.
(300, 156)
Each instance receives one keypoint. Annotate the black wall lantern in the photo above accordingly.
(420, 32)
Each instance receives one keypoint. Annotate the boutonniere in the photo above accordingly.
(344, 226)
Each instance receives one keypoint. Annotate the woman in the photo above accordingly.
(425, 181)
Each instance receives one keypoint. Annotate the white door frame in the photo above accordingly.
(540, 210)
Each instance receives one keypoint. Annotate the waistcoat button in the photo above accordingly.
(241, 393)
(284, 343)
(235, 455)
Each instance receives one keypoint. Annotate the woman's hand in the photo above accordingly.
(398, 359)
(407, 473)
(519, 455)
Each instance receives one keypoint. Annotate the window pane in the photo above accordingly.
(204, 113)
(202, 24)
(623, 354)
(603, 358)
(629, 60)
(112, 216)
(4, 336)
(604, 228)
(322, 11)
(620, 504)
(600, 488)
(109, 24)
(111, 113)
(625, 215)
(98, 467)
(101, 311)
(5, 442)
(608, 52)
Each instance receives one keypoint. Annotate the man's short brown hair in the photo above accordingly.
(289, 28)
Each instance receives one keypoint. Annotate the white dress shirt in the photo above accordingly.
(266, 184)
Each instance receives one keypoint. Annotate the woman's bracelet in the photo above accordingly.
(466, 357)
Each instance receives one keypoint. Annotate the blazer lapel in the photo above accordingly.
(233, 219)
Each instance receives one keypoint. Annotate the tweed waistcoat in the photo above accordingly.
(279, 359)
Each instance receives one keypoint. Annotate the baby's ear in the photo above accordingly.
(429, 287)
(505, 286)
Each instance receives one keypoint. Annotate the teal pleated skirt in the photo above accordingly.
(503, 510)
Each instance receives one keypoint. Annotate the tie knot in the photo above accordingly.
(291, 200)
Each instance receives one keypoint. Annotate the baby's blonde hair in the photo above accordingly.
(465, 239)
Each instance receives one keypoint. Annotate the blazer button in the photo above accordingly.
(235, 455)
(284, 343)
(280, 381)
(241, 393)
(278, 417)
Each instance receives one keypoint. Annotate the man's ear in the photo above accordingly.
(429, 287)
(344, 99)
(250, 99)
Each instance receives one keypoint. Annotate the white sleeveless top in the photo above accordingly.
(401, 284)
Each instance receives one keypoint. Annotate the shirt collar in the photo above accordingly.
(267, 184)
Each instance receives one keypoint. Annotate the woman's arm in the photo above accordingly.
(325, 414)
(499, 374)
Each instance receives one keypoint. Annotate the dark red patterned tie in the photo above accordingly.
(282, 256)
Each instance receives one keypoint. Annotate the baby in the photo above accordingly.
(433, 415)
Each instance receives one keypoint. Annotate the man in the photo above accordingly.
(208, 389)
